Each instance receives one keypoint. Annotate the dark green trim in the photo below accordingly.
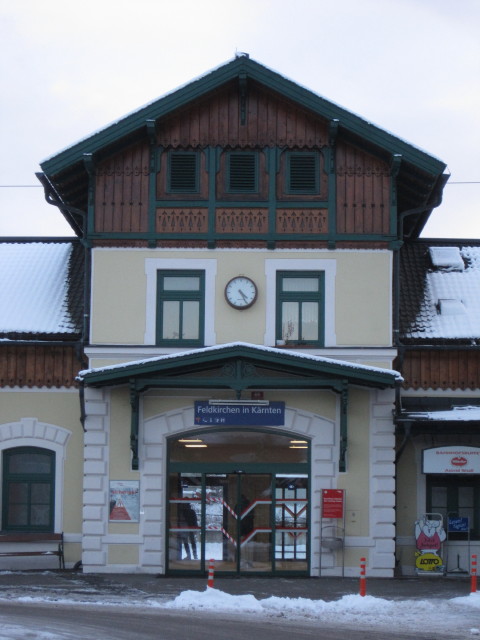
(342, 463)
(29, 480)
(300, 297)
(246, 69)
(181, 296)
(134, 422)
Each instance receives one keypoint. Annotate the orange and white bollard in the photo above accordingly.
(363, 578)
(473, 575)
(211, 571)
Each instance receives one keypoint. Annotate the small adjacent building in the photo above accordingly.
(438, 428)
(220, 363)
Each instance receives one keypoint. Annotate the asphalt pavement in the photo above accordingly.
(94, 588)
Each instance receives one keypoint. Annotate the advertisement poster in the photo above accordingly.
(458, 460)
(429, 536)
(124, 500)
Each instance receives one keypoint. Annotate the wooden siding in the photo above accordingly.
(121, 191)
(38, 366)
(270, 121)
(363, 192)
(441, 369)
(363, 181)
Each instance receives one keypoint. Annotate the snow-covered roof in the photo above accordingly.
(455, 414)
(36, 282)
(440, 291)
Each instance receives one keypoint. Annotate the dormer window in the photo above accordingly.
(451, 307)
(446, 258)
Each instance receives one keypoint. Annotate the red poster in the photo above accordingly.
(332, 503)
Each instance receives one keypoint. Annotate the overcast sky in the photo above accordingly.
(411, 67)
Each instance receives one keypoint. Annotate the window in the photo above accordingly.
(180, 308)
(455, 496)
(302, 173)
(242, 172)
(28, 489)
(300, 307)
(183, 171)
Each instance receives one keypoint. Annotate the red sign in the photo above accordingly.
(332, 503)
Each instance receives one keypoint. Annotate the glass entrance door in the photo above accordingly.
(245, 522)
(238, 521)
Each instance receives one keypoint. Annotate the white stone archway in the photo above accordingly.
(30, 432)
(153, 468)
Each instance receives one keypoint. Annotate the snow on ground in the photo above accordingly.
(458, 618)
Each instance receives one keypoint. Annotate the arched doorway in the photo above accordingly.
(240, 497)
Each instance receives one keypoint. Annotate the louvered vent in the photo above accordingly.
(183, 172)
(303, 174)
(243, 172)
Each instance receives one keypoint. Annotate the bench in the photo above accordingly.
(38, 540)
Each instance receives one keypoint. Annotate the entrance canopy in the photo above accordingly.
(240, 366)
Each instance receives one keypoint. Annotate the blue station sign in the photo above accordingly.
(271, 414)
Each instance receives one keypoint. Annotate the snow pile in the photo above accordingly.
(460, 616)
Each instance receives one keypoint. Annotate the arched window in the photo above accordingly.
(28, 489)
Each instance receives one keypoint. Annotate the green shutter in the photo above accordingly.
(183, 174)
(242, 175)
(303, 173)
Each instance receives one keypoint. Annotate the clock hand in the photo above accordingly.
(243, 295)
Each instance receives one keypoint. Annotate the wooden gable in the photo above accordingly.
(115, 180)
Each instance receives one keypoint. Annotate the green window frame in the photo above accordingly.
(300, 313)
(242, 172)
(183, 172)
(180, 308)
(457, 496)
(303, 172)
(28, 493)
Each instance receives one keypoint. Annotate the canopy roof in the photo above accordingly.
(240, 366)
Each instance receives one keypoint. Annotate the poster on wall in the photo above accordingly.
(124, 501)
(333, 501)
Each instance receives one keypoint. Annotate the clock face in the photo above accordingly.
(241, 292)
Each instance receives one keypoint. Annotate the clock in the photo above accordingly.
(241, 292)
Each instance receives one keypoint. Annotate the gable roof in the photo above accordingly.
(41, 288)
(440, 292)
(273, 368)
(420, 174)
